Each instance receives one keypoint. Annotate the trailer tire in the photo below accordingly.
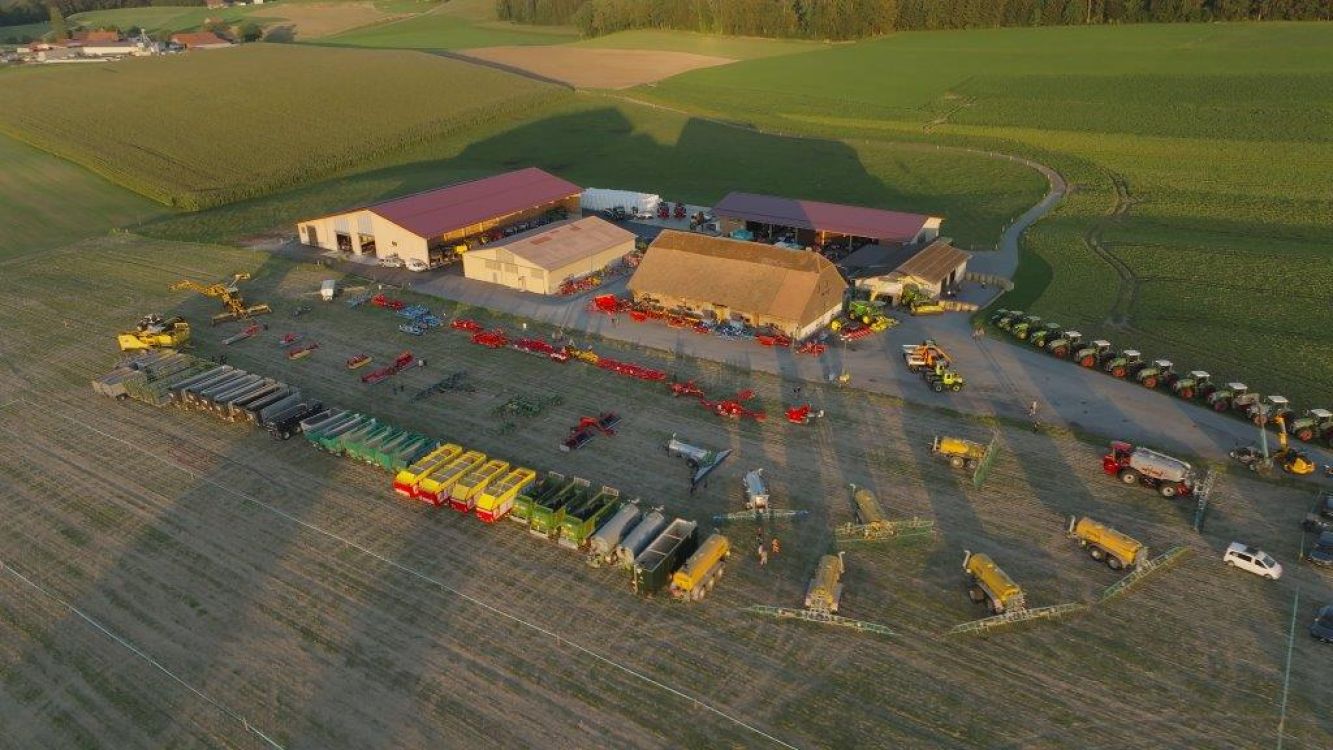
(1168, 491)
(1096, 553)
(1129, 476)
(976, 595)
(956, 462)
(971, 464)
(1114, 563)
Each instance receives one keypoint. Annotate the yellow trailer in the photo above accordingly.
(825, 589)
(696, 577)
(434, 488)
(463, 497)
(407, 480)
(958, 452)
(988, 583)
(1105, 544)
(496, 498)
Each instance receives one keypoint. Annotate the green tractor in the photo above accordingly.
(864, 310)
(1160, 372)
(1025, 326)
(1223, 397)
(1196, 384)
(1007, 321)
(942, 378)
(1274, 408)
(995, 317)
(1062, 346)
(1048, 332)
(1095, 354)
(1126, 364)
(1315, 423)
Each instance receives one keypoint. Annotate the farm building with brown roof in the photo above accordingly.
(199, 40)
(934, 269)
(815, 222)
(540, 259)
(427, 225)
(725, 279)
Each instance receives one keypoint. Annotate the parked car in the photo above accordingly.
(1322, 627)
(1322, 552)
(1316, 524)
(391, 261)
(1252, 560)
(418, 265)
(1326, 505)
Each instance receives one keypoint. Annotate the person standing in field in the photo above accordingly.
(1032, 410)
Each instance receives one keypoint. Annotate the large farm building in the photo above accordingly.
(540, 259)
(424, 226)
(935, 269)
(724, 279)
(816, 223)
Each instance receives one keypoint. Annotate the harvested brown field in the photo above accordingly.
(307, 21)
(281, 590)
(589, 68)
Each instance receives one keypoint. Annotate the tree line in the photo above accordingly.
(852, 19)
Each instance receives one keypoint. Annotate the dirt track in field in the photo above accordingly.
(588, 68)
(295, 591)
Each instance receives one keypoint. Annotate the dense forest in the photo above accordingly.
(850, 19)
(18, 12)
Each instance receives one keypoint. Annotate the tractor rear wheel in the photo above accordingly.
(1129, 476)
(1168, 491)
(1113, 562)
(1088, 361)
(937, 387)
(956, 462)
(1150, 382)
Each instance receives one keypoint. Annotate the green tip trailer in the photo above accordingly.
(579, 523)
(523, 504)
(547, 514)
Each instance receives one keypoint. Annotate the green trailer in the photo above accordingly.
(579, 523)
(547, 514)
(314, 427)
(352, 443)
(525, 502)
(397, 456)
(366, 446)
(329, 439)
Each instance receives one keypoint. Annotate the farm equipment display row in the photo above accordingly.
(569, 512)
(1195, 385)
(611, 305)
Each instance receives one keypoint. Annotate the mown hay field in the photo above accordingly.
(303, 600)
(1198, 228)
(212, 127)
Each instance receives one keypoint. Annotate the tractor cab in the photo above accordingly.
(1197, 383)
(943, 378)
(998, 315)
(1062, 346)
(1158, 372)
(1278, 407)
(1223, 398)
(1048, 332)
(1096, 354)
(1243, 400)
(1129, 362)
(1025, 326)
(1316, 422)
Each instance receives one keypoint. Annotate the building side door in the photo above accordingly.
(312, 236)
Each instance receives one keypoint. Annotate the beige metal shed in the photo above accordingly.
(539, 260)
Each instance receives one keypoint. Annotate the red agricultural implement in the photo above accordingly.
(465, 324)
(358, 360)
(855, 332)
(541, 349)
(631, 370)
(734, 408)
(803, 414)
(773, 340)
(581, 433)
(663, 210)
(491, 339)
(400, 363)
(290, 339)
(687, 388)
(813, 348)
(303, 350)
(251, 330)
(388, 303)
(679, 212)
(609, 304)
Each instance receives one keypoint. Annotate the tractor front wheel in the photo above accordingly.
(1129, 476)
(1221, 405)
(1186, 393)
(1150, 382)
(1118, 372)
(1088, 361)
(1304, 434)
(1060, 352)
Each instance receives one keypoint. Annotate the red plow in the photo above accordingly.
(402, 362)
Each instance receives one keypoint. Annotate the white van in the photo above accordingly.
(328, 290)
(1253, 560)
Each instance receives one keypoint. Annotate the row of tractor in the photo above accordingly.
(659, 552)
(1193, 385)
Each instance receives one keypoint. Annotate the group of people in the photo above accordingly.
(764, 549)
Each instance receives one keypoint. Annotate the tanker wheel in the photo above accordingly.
(1096, 553)
(976, 595)
(721, 569)
(971, 464)
(1168, 491)
(697, 594)
(956, 462)
(1114, 563)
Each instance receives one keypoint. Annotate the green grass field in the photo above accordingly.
(606, 142)
(233, 129)
(165, 19)
(1219, 137)
(16, 34)
(47, 202)
(458, 24)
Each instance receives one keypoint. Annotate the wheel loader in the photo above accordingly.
(1024, 327)
(1095, 354)
(1160, 372)
(1291, 460)
(1195, 384)
(1315, 423)
(1125, 365)
(942, 378)
(1062, 346)
(1048, 332)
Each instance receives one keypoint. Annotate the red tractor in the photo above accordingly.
(803, 414)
